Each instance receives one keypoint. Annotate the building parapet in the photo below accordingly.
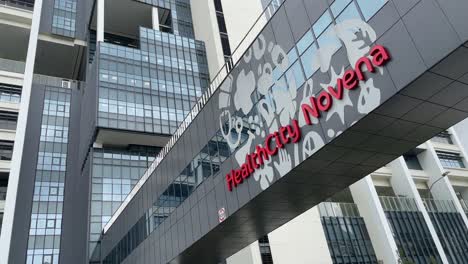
(439, 206)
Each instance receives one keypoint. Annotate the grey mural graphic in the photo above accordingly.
(256, 102)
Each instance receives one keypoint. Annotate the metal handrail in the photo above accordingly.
(439, 206)
(219, 78)
(3, 192)
(18, 4)
(398, 204)
(329, 209)
(12, 65)
(464, 205)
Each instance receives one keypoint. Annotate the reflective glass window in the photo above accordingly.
(370, 8)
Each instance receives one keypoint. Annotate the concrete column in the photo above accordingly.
(100, 20)
(366, 198)
(248, 255)
(302, 234)
(155, 13)
(442, 190)
(461, 142)
(251, 20)
(461, 129)
(465, 194)
(403, 185)
(13, 181)
(206, 29)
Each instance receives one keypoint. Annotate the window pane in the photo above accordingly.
(322, 23)
(305, 42)
(369, 8)
(309, 61)
(338, 6)
(351, 12)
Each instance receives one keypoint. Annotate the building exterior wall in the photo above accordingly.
(239, 26)
(206, 29)
(297, 236)
(390, 36)
(250, 255)
(68, 179)
(461, 129)
(9, 220)
(150, 90)
(44, 172)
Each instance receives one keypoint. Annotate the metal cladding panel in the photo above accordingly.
(350, 139)
(88, 113)
(74, 242)
(68, 18)
(26, 180)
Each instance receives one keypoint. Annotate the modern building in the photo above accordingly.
(219, 131)
(395, 214)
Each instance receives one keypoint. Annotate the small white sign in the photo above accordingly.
(222, 215)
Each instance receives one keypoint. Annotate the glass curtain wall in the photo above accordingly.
(346, 233)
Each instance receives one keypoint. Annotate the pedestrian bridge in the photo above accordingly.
(325, 95)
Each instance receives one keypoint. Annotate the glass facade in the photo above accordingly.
(453, 235)
(181, 15)
(412, 236)
(115, 172)
(222, 30)
(64, 18)
(450, 160)
(8, 120)
(10, 93)
(152, 89)
(348, 240)
(1, 220)
(412, 161)
(346, 233)
(6, 150)
(443, 137)
(198, 169)
(47, 208)
(265, 250)
(450, 228)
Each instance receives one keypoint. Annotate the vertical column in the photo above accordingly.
(462, 129)
(100, 21)
(366, 198)
(8, 218)
(465, 194)
(302, 234)
(461, 143)
(403, 185)
(155, 13)
(442, 190)
(248, 255)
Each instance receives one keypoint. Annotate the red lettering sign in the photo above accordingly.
(323, 103)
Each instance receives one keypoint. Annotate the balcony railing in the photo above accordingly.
(11, 65)
(439, 206)
(327, 209)
(401, 204)
(18, 4)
